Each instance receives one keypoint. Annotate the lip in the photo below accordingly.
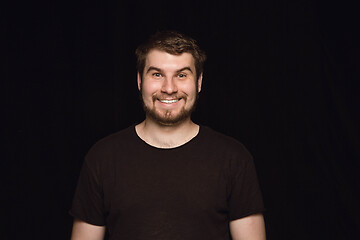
(169, 102)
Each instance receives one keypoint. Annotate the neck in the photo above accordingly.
(163, 136)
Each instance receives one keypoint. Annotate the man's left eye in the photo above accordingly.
(181, 75)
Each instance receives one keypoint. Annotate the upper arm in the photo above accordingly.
(85, 231)
(248, 228)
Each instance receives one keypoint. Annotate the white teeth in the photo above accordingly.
(169, 101)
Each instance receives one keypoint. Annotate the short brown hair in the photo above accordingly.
(174, 43)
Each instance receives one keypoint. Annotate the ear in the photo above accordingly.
(139, 81)
(200, 82)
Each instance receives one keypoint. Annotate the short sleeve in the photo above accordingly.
(88, 204)
(245, 198)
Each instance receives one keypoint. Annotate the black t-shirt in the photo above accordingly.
(189, 192)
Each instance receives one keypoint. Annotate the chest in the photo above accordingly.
(169, 185)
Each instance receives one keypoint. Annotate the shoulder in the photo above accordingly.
(119, 138)
(224, 143)
(110, 146)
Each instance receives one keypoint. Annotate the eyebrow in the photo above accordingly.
(153, 68)
(159, 70)
(183, 69)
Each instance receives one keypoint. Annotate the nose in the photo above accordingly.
(169, 86)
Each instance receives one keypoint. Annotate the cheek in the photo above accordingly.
(148, 89)
(192, 89)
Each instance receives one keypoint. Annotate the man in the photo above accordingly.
(168, 178)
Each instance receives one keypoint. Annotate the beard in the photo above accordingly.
(168, 117)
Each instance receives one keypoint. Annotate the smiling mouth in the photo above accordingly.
(169, 101)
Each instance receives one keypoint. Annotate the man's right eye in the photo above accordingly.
(157, 74)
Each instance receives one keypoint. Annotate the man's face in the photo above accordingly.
(169, 87)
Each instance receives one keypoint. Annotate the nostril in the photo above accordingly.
(169, 87)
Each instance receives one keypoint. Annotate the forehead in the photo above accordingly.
(167, 61)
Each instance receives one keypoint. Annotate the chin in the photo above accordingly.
(168, 119)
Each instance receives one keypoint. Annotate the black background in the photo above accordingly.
(281, 77)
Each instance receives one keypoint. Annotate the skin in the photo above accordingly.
(85, 231)
(248, 228)
(171, 77)
(168, 77)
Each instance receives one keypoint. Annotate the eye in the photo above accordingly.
(157, 75)
(181, 75)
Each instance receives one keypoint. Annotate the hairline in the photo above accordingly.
(174, 54)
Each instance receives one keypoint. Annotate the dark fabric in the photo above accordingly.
(189, 192)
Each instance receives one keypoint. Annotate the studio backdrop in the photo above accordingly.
(281, 77)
